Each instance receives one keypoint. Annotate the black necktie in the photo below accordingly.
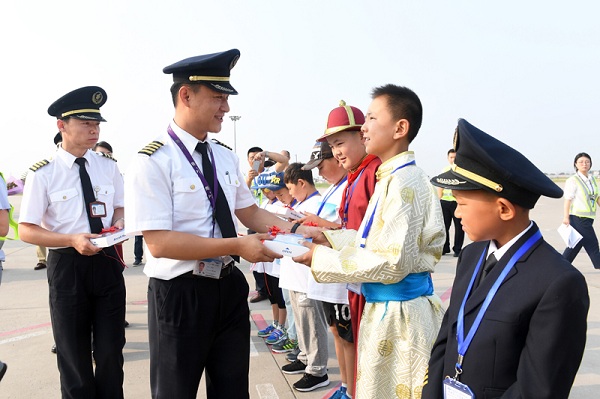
(222, 212)
(88, 196)
(489, 265)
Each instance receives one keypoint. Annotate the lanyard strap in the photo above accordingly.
(209, 190)
(330, 193)
(589, 192)
(369, 223)
(463, 344)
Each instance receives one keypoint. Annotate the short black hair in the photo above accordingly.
(294, 172)
(254, 149)
(103, 144)
(451, 151)
(403, 103)
(177, 85)
(582, 155)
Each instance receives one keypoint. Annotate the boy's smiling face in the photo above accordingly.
(348, 148)
(379, 129)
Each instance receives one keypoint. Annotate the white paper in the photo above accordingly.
(569, 235)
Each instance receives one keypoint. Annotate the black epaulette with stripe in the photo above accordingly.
(39, 165)
(105, 155)
(221, 144)
(151, 148)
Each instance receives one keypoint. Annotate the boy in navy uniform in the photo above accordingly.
(516, 324)
(67, 201)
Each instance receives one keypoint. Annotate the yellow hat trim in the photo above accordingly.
(79, 111)
(209, 78)
(477, 178)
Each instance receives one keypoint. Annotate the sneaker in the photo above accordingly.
(3, 368)
(296, 367)
(339, 394)
(285, 346)
(137, 262)
(311, 382)
(267, 331)
(278, 335)
(292, 356)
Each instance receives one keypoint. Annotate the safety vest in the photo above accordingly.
(11, 222)
(587, 207)
(447, 193)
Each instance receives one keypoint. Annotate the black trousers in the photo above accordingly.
(197, 324)
(138, 248)
(87, 296)
(585, 227)
(448, 208)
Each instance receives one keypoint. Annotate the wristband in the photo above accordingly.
(295, 227)
(115, 221)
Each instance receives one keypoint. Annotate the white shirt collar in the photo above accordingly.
(69, 159)
(499, 252)
(187, 139)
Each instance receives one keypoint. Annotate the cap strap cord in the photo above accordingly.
(477, 178)
(209, 78)
(79, 111)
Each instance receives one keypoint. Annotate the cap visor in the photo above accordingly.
(452, 181)
(89, 117)
(221, 87)
(312, 164)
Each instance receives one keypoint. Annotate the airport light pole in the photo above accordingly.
(234, 118)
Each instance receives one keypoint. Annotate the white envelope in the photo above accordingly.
(569, 235)
(288, 244)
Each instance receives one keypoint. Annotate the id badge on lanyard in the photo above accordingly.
(454, 389)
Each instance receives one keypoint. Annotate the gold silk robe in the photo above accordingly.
(407, 236)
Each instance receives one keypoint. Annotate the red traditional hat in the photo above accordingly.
(343, 118)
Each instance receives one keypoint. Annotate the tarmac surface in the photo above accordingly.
(26, 336)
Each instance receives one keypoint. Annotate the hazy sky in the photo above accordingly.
(526, 72)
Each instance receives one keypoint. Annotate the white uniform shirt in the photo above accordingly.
(53, 196)
(329, 292)
(163, 192)
(294, 276)
(4, 204)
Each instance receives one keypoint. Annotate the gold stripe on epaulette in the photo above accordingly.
(38, 165)
(222, 144)
(151, 148)
(106, 155)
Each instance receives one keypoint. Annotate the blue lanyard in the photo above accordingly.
(307, 198)
(209, 190)
(330, 193)
(369, 223)
(463, 344)
(349, 192)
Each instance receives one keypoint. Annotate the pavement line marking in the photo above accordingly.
(259, 320)
(266, 391)
(24, 336)
(334, 389)
(253, 350)
(20, 330)
(446, 295)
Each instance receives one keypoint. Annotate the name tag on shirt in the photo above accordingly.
(454, 389)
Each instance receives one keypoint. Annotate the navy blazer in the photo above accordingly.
(532, 337)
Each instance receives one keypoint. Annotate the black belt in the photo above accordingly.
(225, 271)
(73, 251)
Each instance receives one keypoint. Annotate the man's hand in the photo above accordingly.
(252, 249)
(81, 242)
(306, 258)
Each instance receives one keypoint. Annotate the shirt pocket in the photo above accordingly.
(65, 205)
(106, 194)
(188, 202)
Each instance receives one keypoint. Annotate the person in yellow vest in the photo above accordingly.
(581, 200)
(448, 203)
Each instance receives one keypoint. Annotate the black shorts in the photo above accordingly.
(338, 315)
(273, 291)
